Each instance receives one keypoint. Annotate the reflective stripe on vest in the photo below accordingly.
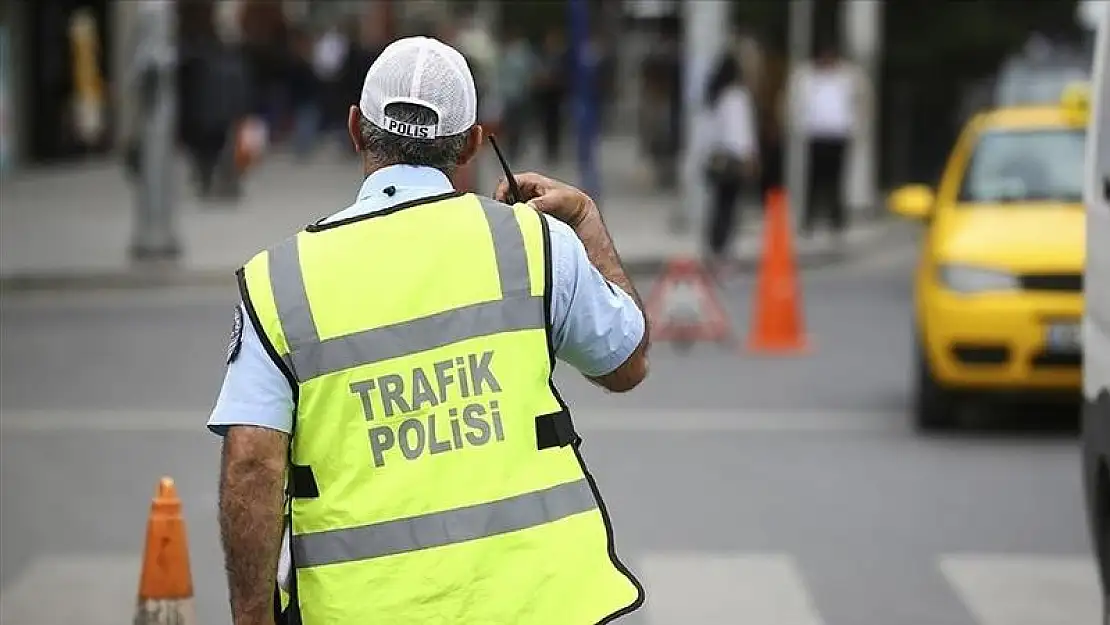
(311, 357)
(443, 528)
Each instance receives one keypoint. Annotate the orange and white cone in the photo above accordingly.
(166, 584)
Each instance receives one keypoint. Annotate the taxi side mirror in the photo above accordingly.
(1076, 102)
(913, 201)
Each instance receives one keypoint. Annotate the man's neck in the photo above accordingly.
(369, 167)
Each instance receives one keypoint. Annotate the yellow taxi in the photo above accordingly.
(998, 295)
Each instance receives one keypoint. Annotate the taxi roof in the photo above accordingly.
(1020, 117)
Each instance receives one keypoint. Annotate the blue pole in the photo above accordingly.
(585, 98)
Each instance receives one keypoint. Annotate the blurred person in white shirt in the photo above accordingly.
(826, 101)
(732, 167)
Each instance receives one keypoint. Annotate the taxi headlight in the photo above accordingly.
(968, 279)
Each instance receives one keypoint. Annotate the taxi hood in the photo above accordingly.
(1014, 236)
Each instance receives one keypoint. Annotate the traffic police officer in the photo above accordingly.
(389, 387)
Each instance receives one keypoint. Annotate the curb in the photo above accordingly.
(153, 277)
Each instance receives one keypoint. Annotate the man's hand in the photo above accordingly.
(547, 195)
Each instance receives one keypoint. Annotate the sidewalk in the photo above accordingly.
(70, 227)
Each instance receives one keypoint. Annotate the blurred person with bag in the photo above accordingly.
(732, 164)
(452, 311)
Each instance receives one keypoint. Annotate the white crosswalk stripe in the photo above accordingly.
(1025, 590)
(683, 588)
(706, 588)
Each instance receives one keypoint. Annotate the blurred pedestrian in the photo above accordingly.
(552, 88)
(214, 93)
(473, 39)
(365, 41)
(827, 100)
(604, 62)
(518, 68)
(306, 93)
(769, 94)
(266, 44)
(427, 329)
(661, 113)
(329, 55)
(732, 167)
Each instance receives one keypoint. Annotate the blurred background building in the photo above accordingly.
(926, 84)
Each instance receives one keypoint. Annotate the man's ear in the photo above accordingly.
(354, 116)
(474, 138)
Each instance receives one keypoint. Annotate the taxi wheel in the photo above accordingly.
(935, 407)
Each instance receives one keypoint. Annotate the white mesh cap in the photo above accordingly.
(423, 71)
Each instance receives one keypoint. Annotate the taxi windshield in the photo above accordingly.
(1026, 166)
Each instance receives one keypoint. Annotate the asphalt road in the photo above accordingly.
(786, 491)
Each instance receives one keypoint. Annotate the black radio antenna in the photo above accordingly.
(514, 190)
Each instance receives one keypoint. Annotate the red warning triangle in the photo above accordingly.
(684, 306)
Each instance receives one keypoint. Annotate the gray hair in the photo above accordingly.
(385, 148)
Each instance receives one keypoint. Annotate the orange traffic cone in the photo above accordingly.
(777, 325)
(166, 585)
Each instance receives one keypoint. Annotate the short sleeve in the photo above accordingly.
(595, 325)
(254, 391)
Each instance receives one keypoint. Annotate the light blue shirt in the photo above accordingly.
(595, 325)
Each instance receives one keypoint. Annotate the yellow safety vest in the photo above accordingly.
(435, 474)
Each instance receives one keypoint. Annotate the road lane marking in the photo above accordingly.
(586, 420)
(1025, 589)
(707, 588)
(86, 589)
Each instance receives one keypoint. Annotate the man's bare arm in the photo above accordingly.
(252, 473)
(593, 233)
